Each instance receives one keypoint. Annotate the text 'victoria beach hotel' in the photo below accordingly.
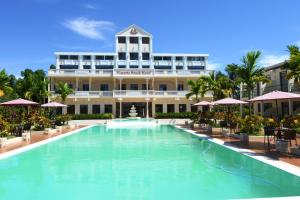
(133, 75)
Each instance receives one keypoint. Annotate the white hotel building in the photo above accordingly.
(133, 74)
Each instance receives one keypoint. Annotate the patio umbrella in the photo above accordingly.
(228, 102)
(203, 103)
(19, 102)
(53, 104)
(276, 95)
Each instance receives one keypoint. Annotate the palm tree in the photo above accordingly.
(249, 73)
(196, 89)
(5, 87)
(219, 84)
(63, 90)
(293, 64)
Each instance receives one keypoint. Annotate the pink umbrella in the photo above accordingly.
(53, 104)
(19, 102)
(276, 95)
(203, 103)
(228, 101)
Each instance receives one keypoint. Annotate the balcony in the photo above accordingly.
(133, 72)
(69, 62)
(150, 93)
(104, 62)
(88, 94)
(79, 72)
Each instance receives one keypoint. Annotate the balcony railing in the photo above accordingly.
(126, 93)
(127, 72)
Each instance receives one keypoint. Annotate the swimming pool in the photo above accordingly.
(160, 162)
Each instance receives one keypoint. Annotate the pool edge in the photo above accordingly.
(40, 143)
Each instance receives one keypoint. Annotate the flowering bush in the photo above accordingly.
(251, 124)
(62, 119)
(291, 121)
(39, 122)
(270, 122)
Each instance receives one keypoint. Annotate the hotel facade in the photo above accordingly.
(132, 75)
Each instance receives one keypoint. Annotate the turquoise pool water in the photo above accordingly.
(162, 162)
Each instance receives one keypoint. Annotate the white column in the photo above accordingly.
(173, 63)
(185, 63)
(164, 108)
(93, 65)
(127, 52)
(262, 108)
(176, 84)
(77, 109)
(90, 84)
(57, 62)
(140, 51)
(80, 62)
(120, 99)
(90, 108)
(76, 89)
(290, 107)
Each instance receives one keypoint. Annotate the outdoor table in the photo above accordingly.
(280, 132)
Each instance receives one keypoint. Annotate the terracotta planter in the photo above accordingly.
(244, 137)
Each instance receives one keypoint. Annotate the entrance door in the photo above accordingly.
(139, 106)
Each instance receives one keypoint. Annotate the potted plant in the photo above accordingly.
(250, 125)
(295, 150)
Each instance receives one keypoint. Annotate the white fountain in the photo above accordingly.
(132, 113)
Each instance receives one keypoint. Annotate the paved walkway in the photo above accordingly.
(34, 138)
(255, 144)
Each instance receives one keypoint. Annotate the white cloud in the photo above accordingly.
(268, 60)
(92, 29)
(213, 66)
(89, 6)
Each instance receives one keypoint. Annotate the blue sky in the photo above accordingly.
(32, 30)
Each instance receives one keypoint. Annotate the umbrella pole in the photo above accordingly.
(277, 109)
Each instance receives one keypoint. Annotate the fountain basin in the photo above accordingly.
(132, 123)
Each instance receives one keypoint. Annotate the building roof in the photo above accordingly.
(275, 66)
(136, 30)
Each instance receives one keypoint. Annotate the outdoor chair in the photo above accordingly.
(290, 135)
(223, 124)
(233, 126)
(269, 132)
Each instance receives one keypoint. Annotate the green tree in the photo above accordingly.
(197, 89)
(293, 64)
(5, 86)
(63, 90)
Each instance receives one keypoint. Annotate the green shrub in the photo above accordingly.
(92, 116)
(176, 115)
(62, 119)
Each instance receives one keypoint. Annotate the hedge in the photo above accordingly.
(177, 115)
(92, 116)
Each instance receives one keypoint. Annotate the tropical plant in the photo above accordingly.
(63, 90)
(5, 87)
(197, 89)
(218, 83)
(251, 124)
(293, 64)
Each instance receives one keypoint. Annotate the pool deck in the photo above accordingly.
(256, 144)
(35, 137)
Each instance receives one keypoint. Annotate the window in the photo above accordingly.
(73, 57)
(267, 106)
(194, 108)
(85, 87)
(195, 58)
(162, 87)
(96, 109)
(158, 108)
(195, 67)
(157, 58)
(104, 87)
(134, 86)
(122, 66)
(109, 57)
(296, 105)
(179, 67)
(107, 108)
(167, 58)
(86, 66)
(99, 57)
(180, 87)
(71, 109)
(170, 108)
(63, 57)
(122, 40)
(133, 66)
(122, 56)
(162, 67)
(86, 57)
(145, 56)
(134, 40)
(144, 86)
(70, 85)
(123, 86)
(182, 107)
(104, 66)
(146, 66)
(83, 109)
(68, 66)
(145, 40)
(179, 58)
(134, 56)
